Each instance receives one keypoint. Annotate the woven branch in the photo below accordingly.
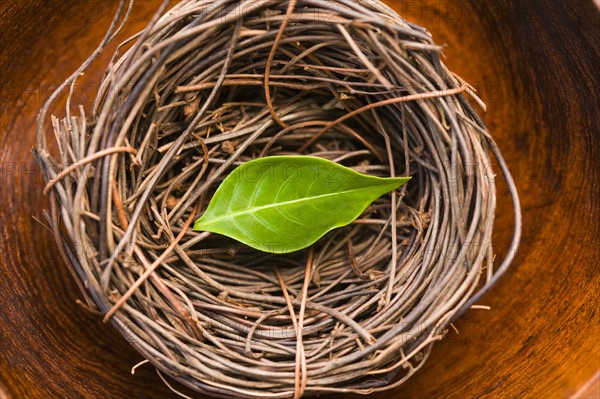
(212, 84)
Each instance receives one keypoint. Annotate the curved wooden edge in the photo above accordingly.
(536, 65)
(591, 389)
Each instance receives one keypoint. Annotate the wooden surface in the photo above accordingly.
(536, 63)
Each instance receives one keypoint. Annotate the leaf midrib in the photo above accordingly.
(291, 202)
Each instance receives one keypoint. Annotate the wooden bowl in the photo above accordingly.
(534, 63)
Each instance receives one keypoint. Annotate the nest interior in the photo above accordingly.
(210, 85)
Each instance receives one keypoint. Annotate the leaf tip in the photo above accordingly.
(400, 181)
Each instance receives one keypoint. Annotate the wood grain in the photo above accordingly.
(535, 63)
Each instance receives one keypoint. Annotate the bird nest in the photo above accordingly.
(209, 85)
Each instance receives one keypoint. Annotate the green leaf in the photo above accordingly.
(282, 204)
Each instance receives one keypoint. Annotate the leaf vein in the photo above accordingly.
(285, 203)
